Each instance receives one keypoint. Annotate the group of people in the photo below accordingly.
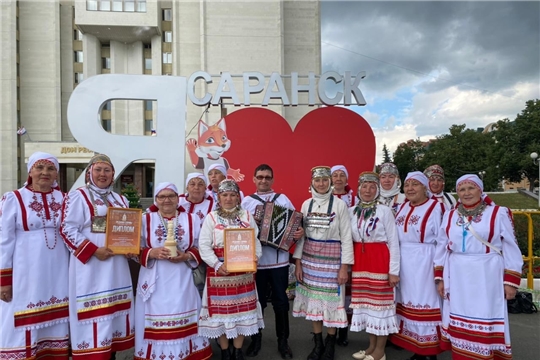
(418, 268)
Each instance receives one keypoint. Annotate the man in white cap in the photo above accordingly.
(216, 174)
(435, 175)
(273, 266)
(196, 200)
(342, 190)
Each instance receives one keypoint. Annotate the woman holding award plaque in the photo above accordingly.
(166, 324)
(33, 267)
(100, 290)
(322, 263)
(230, 306)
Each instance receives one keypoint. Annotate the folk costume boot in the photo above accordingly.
(318, 350)
(237, 354)
(282, 333)
(255, 346)
(225, 354)
(342, 337)
(113, 355)
(329, 347)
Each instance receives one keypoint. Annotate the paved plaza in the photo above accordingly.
(525, 333)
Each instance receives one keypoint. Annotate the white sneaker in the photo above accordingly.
(360, 355)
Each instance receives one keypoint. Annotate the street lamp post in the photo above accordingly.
(534, 157)
(482, 173)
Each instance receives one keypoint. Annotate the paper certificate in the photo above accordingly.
(123, 234)
(240, 250)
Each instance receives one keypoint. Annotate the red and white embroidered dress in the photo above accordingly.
(475, 317)
(168, 303)
(348, 197)
(201, 209)
(376, 254)
(418, 302)
(34, 261)
(100, 292)
(230, 304)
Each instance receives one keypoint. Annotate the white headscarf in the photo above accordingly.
(37, 156)
(470, 178)
(339, 167)
(418, 176)
(194, 175)
(390, 168)
(162, 186)
(219, 167)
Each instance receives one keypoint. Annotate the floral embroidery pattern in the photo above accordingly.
(400, 220)
(170, 323)
(200, 214)
(110, 299)
(414, 219)
(53, 300)
(83, 345)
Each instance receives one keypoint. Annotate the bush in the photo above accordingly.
(132, 194)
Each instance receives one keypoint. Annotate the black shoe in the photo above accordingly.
(284, 349)
(113, 355)
(237, 354)
(430, 357)
(417, 357)
(318, 350)
(225, 354)
(329, 347)
(255, 346)
(342, 337)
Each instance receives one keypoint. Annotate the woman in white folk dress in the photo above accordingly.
(34, 267)
(168, 303)
(478, 268)
(375, 272)
(230, 306)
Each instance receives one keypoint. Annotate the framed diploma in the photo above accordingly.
(239, 247)
(123, 235)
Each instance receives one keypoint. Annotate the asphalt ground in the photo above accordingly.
(524, 332)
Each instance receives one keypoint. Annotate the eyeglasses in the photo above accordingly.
(260, 177)
(164, 197)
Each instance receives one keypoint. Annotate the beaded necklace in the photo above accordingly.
(42, 216)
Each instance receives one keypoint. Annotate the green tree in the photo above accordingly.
(386, 154)
(516, 140)
(132, 194)
(463, 151)
(408, 156)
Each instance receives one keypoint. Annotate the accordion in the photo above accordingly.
(277, 225)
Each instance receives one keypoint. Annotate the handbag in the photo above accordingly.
(522, 304)
(199, 274)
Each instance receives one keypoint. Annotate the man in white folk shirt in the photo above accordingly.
(273, 266)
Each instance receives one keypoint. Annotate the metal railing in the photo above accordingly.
(530, 258)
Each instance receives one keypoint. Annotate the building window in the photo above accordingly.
(79, 77)
(91, 5)
(147, 64)
(77, 34)
(129, 5)
(167, 14)
(104, 5)
(167, 36)
(107, 106)
(106, 123)
(148, 105)
(78, 56)
(105, 63)
(117, 5)
(148, 126)
(167, 58)
(141, 6)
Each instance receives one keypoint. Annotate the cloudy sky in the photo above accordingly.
(432, 64)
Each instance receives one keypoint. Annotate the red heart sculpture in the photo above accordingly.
(325, 136)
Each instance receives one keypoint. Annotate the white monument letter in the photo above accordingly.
(167, 148)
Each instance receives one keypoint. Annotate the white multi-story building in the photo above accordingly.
(48, 47)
